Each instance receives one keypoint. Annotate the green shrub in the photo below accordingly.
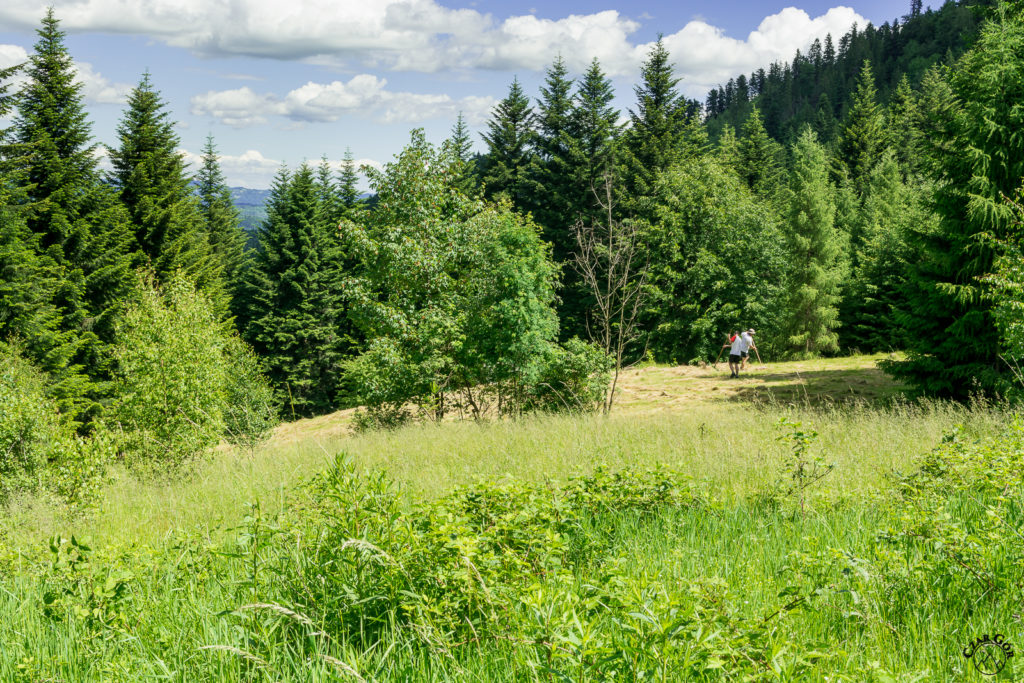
(184, 381)
(32, 431)
(575, 377)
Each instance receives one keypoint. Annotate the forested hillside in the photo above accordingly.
(523, 278)
(817, 87)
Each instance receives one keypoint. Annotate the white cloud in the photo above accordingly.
(423, 35)
(364, 95)
(12, 55)
(96, 88)
(252, 169)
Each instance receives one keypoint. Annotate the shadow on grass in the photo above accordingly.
(815, 387)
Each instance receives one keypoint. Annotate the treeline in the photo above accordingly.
(468, 284)
(817, 88)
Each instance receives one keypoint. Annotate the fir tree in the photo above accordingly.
(902, 126)
(74, 216)
(974, 146)
(348, 185)
(863, 136)
(729, 148)
(657, 122)
(149, 174)
(295, 316)
(220, 217)
(462, 150)
(510, 138)
(593, 135)
(760, 156)
(816, 252)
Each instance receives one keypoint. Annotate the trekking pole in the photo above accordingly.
(715, 364)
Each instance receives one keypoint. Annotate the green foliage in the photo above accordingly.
(816, 252)
(294, 313)
(32, 430)
(182, 376)
(802, 469)
(716, 262)
(149, 173)
(454, 298)
(759, 162)
(863, 137)
(971, 127)
(221, 220)
(510, 138)
(574, 376)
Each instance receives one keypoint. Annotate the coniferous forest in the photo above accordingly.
(466, 335)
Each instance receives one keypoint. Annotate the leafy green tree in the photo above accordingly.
(220, 218)
(455, 299)
(295, 316)
(716, 262)
(75, 217)
(150, 176)
(510, 140)
(971, 133)
(816, 252)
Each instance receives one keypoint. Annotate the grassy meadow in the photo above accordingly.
(667, 541)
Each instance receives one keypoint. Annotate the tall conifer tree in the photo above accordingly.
(863, 136)
(295, 316)
(552, 192)
(75, 217)
(220, 217)
(760, 157)
(154, 186)
(510, 139)
(816, 252)
(462, 150)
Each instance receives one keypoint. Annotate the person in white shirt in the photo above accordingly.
(735, 355)
(748, 343)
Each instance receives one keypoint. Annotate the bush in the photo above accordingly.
(575, 377)
(32, 431)
(184, 381)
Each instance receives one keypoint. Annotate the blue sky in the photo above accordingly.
(282, 81)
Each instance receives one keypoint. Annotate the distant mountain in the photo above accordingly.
(251, 205)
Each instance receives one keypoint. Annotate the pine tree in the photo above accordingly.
(220, 218)
(295, 317)
(329, 193)
(863, 137)
(75, 218)
(816, 252)
(593, 135)
(974, 147)
(729, 148)
(510, 138)
(902, 126)
(149, 174)
(657, 123)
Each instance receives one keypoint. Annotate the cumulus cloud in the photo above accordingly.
(363, 94)
(252, 169)
(95, 87)
(425, 36)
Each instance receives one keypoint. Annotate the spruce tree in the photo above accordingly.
(220, 218)
(863, 137)
(815, 250)
(554, 199)
(594, 136)
(760, 157)
(74, 216)
(295, 316)
(348, 185)
(901, 121)
(657, 123)
(510, 139)
(150, 176)
(462, 150)
(974, 147)
(729, 148)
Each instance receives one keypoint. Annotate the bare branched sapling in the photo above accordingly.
(609, 262)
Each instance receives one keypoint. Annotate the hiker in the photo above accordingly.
(748, 343)
(735, 355)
